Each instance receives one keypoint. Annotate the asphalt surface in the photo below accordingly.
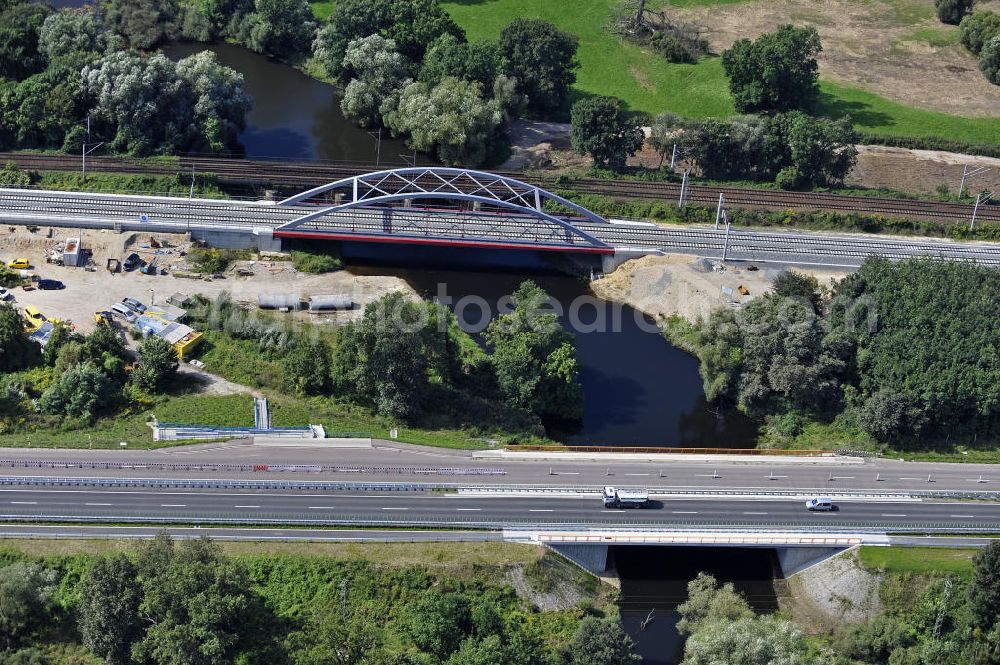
(400, 463)
(440, 508)
(134, 213)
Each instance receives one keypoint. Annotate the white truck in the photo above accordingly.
(625, 498)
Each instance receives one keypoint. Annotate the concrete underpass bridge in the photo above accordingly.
(796, 550)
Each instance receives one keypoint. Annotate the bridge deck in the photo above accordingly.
(467, 229)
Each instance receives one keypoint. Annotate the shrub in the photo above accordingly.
(978, 28)
(672, 48)
(315, 264)
(603, 130)
(989, 60)
(952, 11)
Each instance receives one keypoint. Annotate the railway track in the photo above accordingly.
(310, 174)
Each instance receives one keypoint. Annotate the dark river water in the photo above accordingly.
(638, 389)
(654, 582)
(294, 116)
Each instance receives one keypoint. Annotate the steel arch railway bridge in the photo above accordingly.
(453, 208)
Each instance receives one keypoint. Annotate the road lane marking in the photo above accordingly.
(751, 513)
(322, 507)
(97, 504)
(26, 503)
(172, 505)
(963, 515)
(684, 512)
(635, 474)
(913, 479)
(395, 509)
(455, 509)
(539, 510)
(246, 506)
(893, 515)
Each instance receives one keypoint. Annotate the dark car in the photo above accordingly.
(50, 284)
(132, 262)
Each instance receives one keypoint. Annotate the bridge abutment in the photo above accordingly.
(794, 560)
(592, 558)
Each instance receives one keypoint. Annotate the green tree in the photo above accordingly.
(792, 284)
(604, 131)
(479, 61)
(308, 367)
(452, 120)
(952, 11)
(707, 601)
(757, 641)
(380, 73)
(153, 105)
(74, 35)
(989, 60)
(17, 351)
(198, 606)
(542, 59)
(438, 622)
(38, 111)
(984, 592)
(978, 28)
(412, 24)
(279, 28)
(60, 336)
(157, 364)
(144, 23)
(82, 391)
(534, 358)
(26, 591)
(775, 72)
(108, 611)
(219, 102)
(19, 53)
(339, 635)
(601, 642)
(381, 358)
(12, 397)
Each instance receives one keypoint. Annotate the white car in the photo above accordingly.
(820, 503)
(5, 295)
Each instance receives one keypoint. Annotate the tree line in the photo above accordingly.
(409, 360)
(60, 69)
(187, 603)
(903, 351)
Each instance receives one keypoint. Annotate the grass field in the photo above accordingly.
(646, 82)
(920, 560)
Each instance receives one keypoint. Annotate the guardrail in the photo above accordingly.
(361, 520)
(255, 468)
(334, 486)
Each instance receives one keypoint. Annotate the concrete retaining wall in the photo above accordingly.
(312, 443)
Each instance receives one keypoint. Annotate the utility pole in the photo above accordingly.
(673, 158)
(720, 210)
(980, 199)
(684, 190)
(191, 191)
(408, 159)
(378, 144)
(725, 249)
(84, 152)
(966, 174)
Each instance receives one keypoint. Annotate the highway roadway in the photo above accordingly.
(390, 462)
(134, 213)
(474, 510)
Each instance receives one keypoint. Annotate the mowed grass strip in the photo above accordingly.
(646, 82)
(918, 560)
